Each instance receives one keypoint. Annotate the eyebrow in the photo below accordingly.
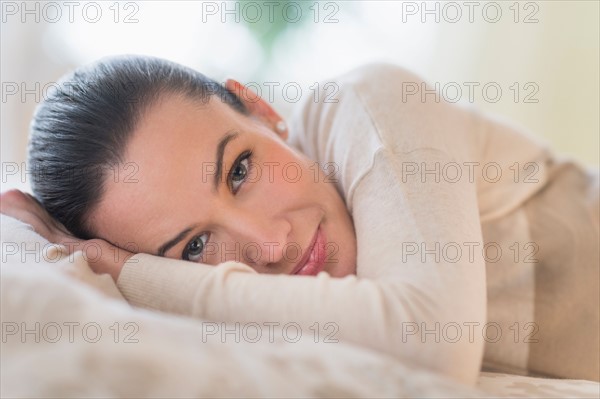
(219, 157)
(171, 243)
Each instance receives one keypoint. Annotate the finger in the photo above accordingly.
(51, 221)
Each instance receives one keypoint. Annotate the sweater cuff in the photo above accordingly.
(170, 285)
(145, 283)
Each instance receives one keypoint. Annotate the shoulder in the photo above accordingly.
(379, 77)
(373, 85)
(362, 96)
(402, 110)
(369, 109)
(336, 126)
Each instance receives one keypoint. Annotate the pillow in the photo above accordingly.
(22, 247)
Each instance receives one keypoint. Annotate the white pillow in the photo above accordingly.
(22, 247)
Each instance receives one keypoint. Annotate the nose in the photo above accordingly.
(261, 239)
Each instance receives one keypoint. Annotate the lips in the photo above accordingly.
(313, 260)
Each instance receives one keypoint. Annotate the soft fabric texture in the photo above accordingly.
(499, 385)
(429, 309)
(63, 337)
(160, 355)
(21, 244)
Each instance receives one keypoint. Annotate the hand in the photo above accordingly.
(102, 256)
(27, 209)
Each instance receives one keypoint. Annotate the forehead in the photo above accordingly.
(175, 133)
(173, 119)
(168, 166)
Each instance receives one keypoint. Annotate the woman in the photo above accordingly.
(409, 193)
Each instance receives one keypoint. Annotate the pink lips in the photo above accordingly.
(313, 262)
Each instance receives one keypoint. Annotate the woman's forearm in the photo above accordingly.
(394, 317)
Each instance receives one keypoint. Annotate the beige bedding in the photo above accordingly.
(67, 332)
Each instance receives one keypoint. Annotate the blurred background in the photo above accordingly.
(534, 63)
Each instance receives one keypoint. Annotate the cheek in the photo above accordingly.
(299, 180)
(281, 174)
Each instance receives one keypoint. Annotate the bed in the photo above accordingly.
(67, 332)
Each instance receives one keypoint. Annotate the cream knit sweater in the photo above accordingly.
(459, 220)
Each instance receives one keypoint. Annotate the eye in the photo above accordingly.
(193, 250)
(241, 168)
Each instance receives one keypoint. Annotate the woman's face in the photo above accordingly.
(205, 183)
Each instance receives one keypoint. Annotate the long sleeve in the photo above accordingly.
(419, 293)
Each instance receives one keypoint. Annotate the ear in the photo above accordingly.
(257, 107)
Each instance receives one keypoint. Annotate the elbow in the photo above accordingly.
(453, 349)
(447, 337)
(460, 361)
(461, 331)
